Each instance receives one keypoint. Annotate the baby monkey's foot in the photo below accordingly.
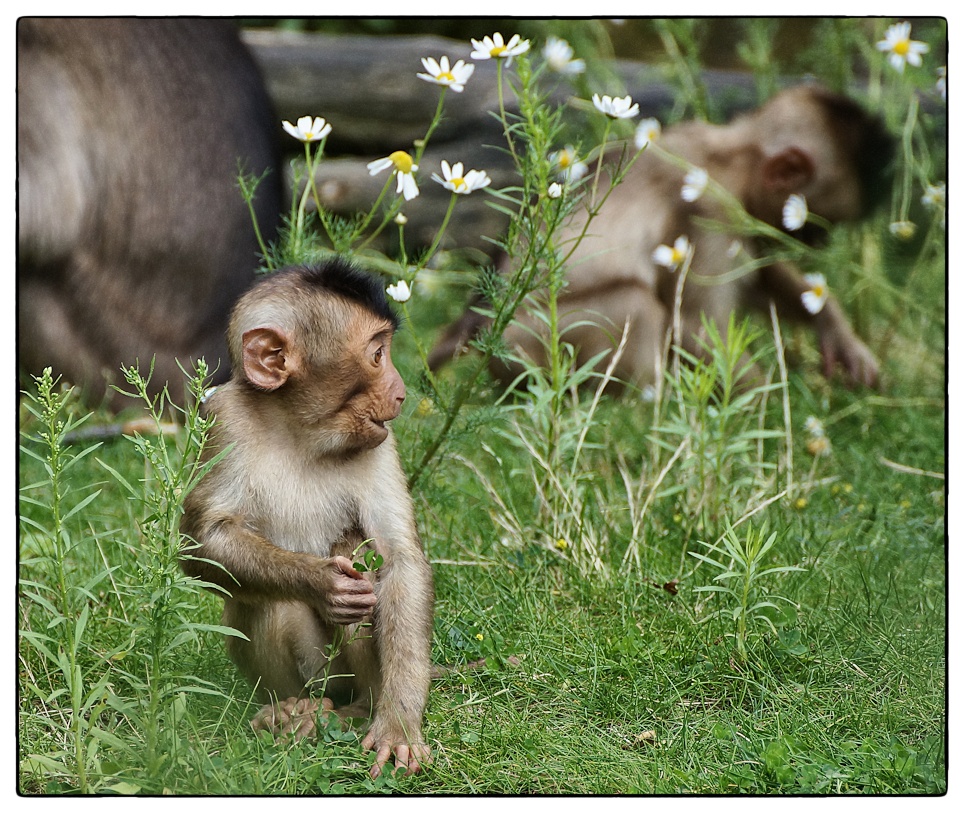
(295, 716)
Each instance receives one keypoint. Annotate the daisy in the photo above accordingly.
(400, 291)
(935, 196)
(816, 297)
(495, 47)
(814, 426)
(795, 212)
(555, 190)
(819, 446)
(461, 184)
(902, 48)
(902, 229)
(616, 108)
(570, 168)
(647, 131)
(307, 129)
(672, 257)
(694, 184)
(440, 73)
(403, 169)
(558, 55)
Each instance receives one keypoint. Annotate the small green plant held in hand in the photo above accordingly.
(370, 561)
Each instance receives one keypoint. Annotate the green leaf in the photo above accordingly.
(81, 505)
(119, 478)
(123, 789)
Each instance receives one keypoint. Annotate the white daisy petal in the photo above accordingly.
(694, 184)
(795, 212)
(816, 296)
(647, 131)
(399, 291)
(616, 108)
(901, 49)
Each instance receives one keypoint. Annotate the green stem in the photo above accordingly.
(371, 213)
(422, 143)
(907, 138)
(423, 261)
(393, 210)
(312, 164)
(422, 354)
(599, 163)
(499, 324)
(249, 192)
(502, 118)
(303, 202)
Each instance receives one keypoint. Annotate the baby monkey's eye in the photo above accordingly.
(377, 355)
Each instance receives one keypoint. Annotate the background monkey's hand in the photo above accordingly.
(386, 740)
(843, 347)
(840, 345)
(347, 596)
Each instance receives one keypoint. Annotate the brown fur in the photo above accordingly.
(134, 240)
(312, 473)
(805, 140)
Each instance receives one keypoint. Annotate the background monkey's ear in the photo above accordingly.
(788, 170)
(266, 360)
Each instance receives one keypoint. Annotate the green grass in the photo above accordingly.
(600, 554)
(621, 685)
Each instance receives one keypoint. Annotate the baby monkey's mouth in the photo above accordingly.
(381, 420)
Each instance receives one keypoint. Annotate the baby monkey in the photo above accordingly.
(311, 481)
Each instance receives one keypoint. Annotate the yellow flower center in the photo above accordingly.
(901, 47)
(497, 51)
(446, 76)
(565, 160)
(818, 447)
(818, 290)
(458, 183)
(678, 256)
(402, 160)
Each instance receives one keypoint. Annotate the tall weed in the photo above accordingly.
(114, 644)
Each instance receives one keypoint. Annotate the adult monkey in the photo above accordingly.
(310, 480)
(134, 240)
(805, 140)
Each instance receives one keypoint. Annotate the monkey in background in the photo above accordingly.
(311, 479)
(134, 240)
(805, 140)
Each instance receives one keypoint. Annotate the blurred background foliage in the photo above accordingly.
(796, 45)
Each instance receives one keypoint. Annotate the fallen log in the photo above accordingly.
(367, 88)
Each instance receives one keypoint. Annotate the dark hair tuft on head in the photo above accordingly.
(342, 278)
